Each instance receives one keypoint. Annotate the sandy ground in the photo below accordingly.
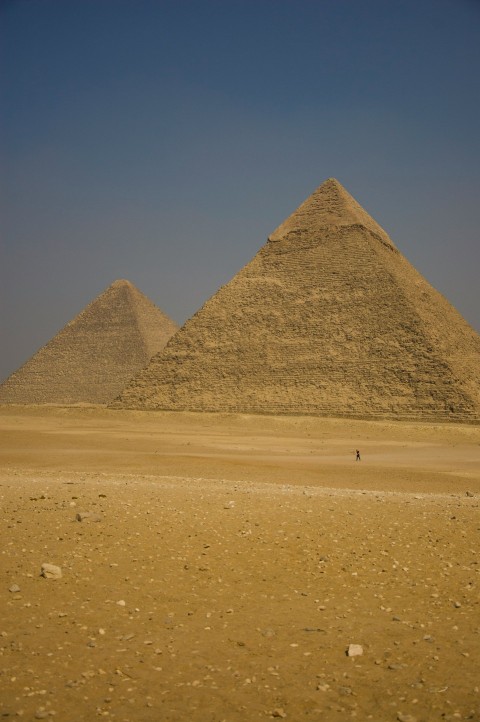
(230, 561)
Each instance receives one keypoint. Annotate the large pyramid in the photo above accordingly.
(92, 358)
(328, 318)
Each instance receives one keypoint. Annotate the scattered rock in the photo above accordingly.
(469, 493)
(121, 603)
(268, 632)
(50, 571)
(87, 516)
(354, 650)
(313, 629)
(229, 505)
(279, 712)
(406, 718)
(14, 588)
(41, 714)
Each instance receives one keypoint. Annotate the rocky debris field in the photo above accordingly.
(206, 600)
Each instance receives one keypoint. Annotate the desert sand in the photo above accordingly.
(228, 562)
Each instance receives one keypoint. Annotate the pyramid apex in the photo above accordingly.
(333, 186)
(120, 283)
(329, 205)
(332, 182)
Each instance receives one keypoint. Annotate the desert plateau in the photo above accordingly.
(237, 567)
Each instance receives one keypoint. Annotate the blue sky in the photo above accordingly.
(162, 141)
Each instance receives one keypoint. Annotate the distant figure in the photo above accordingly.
(358, 455)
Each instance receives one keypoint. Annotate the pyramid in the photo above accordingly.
(92, 358)
(327, 319)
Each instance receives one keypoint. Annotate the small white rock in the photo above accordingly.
(354, 650)
(121, 603)
(323, 687)
(51, 571)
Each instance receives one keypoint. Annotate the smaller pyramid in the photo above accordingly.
(92, 358)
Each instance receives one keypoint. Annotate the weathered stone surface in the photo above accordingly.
(88, 516)
(329, 319)
(354, 650)
(92, 358)
(51, 571)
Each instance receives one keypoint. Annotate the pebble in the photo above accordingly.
(354, 650)
(14, 588)
(268, 632)
(87, 516)
(121, 602)
(51, 571)
(313, 629)
(279, 712)
(41, 714)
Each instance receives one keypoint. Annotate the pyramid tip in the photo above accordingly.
(332, 183)
(329, 205)
(119, 284)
